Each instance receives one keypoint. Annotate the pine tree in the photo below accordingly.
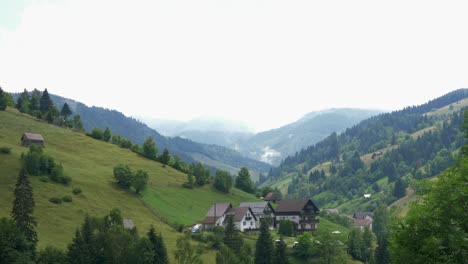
(165, 157)
(106, 136)
(160, 252)
(366, 249)
(149, 148)
(78, 251)
(35, 101)
(22, 104)
(232, 238)
(264, 246)
(399, 189)
(45, 104)
(23, 207)
(244, 182)
(3, 103)
(280, 253)
(65, 112)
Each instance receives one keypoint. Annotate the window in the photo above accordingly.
(251, 223)
(244, 223)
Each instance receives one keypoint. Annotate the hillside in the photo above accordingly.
(135, 130)
(380, 156)
(274, 145)
(90, 165)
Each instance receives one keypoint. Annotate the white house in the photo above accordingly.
(243, 218)
(216, 215)
(302, 212)
(261, 210)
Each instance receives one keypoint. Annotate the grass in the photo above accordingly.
(90, 165)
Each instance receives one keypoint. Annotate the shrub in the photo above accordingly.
(5, 150)
(76, 190)
(55, 200)
(286, 228)
(57, 175)
(44, 179)
(67, 199)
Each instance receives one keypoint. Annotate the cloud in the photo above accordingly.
(264, 62)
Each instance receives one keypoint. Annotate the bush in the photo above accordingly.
(44, 179)
(5, 150)
(55, 200)
(286, 228)
(57, 175)
(76, 190)
(67, 199)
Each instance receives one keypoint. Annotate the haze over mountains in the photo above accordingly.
(269, 146)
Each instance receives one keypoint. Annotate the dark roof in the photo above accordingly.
(293, 205)
(32, 136)
(239, 212)
(257, 207)
(362, 222)
(362, 215)
(218, 209)
(270, 196)
(209, 220)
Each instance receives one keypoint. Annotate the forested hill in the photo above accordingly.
(131, 128)
(380, 155)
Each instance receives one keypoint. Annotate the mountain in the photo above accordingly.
(380, 156)
(211, 155)
(215, 131)
(89, 162)
(274, 145)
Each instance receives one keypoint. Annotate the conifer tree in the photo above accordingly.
(22, 104)
(232, 238)
(45, 104)
(160, 252)
(66, 111)
(3, 103)
(23, 207)
(34, 106)
(149, 148)
(165, 157)
(244, 182)
(280, 253)
(264, 246)
(366, 250)
(106, 136)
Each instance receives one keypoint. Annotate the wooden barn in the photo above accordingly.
(30, 138)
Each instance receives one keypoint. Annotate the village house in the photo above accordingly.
(216, 215)
(261, 210)
(363, 220)
(271, 197)
(243, 218)
(30, 138)
(363, 215)
(302, 212)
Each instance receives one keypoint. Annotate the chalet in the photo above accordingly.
(29, 138)
(261, 210)
(363, 215)
(271, 197)
(302, 212)
(363, 223)
(216, 215)
(243, 218)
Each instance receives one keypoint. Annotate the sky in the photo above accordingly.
(265, 63)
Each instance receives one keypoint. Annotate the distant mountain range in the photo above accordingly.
(213, 156)
(269, 146)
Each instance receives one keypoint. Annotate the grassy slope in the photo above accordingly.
(90, 163)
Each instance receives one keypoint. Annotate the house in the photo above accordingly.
(216, 215)
(128, 224)
(261, 210)
(243, 218)
(302, 212)
(271, 197)
(363, 215)
(363, 223)
(29, 138)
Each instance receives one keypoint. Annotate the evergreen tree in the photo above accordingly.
(14, 247)
(3, 100)
(355, 243)
(150, 149)
(77, 124)
(106, 136)
(226, 256)
(399, 189)
(35, 102)
(232, 237)
(280, 253)
(23, 207)
(244, 182)
(66, 111)
(165, 157)
(22, 104)
(366, 250)
(45, 104)
(380, 227)
(223, 181)
(160, 252)
(78, 250)
(264, 246)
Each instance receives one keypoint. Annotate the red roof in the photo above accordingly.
(362, 222)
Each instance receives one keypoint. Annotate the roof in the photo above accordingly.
(32, 136)
(257, 207)
(128, 224)
(238, 213)
(209, 220)
(362, 222)
(218, 209)
(362, 215)
(293, 205)
(270, 196)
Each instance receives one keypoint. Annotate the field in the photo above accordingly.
(90, 164)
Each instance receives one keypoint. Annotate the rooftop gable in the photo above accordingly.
(294, 205)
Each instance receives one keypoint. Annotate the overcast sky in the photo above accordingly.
(263, 62)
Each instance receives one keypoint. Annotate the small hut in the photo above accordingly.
(29, 138)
